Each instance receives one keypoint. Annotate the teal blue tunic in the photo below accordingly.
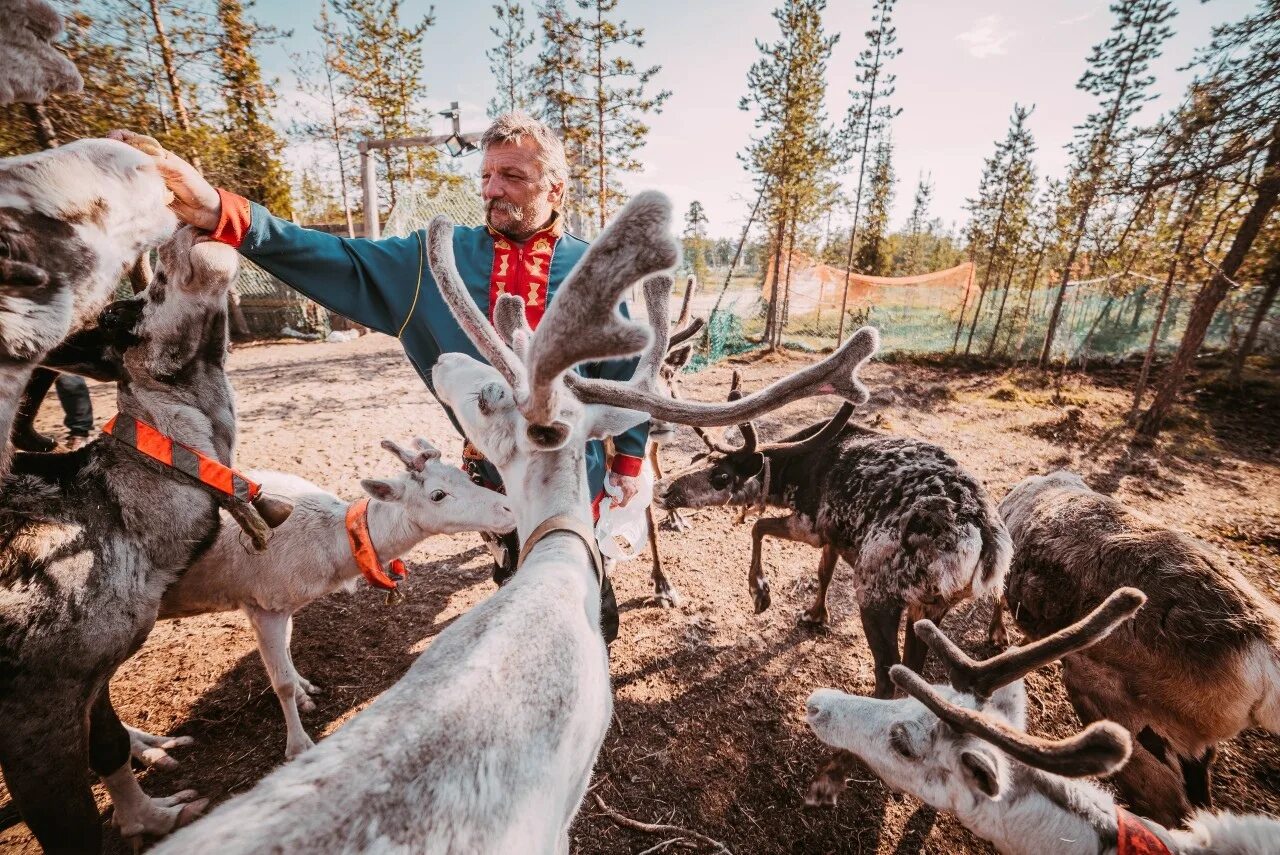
(374, 283)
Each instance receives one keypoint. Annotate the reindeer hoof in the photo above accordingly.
(665, 597)
(815, 618)
(152, 750)
(824, 791)
(675, 522)
(302, 746)
(761, 596)
(999, 638)
(157, 817)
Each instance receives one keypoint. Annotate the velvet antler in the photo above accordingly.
(1099, 749)
(982, 678)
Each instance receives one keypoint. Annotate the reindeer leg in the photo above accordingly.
(757, 584)
(272, 630)
(664, 594)
(42, 752)
(817, 613)
(152, 749)
(915, 651)
(880, 623)
(136, 813)
(996, 634)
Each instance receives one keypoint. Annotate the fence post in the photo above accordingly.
(369, 181)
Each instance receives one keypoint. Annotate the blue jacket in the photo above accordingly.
(386, 285)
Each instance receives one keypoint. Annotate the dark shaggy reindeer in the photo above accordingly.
(963, 748)
(1199, 664)
(90, 540)
(487, 744)
(920, 532)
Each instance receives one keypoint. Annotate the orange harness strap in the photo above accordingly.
(162, 448)
(366, 556)
(1134, 838)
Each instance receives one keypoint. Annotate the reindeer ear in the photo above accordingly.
(603, 420)
(386, 491)
(981, 770)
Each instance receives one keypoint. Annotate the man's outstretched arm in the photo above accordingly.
(370, 282)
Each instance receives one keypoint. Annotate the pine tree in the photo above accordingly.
(558, 80)
(1235, 125)
(695, 240)
(1000, 212)
(614, 100)
(317, 75)
(380, 61)
(917, 228)
(793, 158)
(506, 59)
(1118, 77)
(255, 147)
(872, 257)
(869, 115)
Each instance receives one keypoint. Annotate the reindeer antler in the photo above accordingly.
(469, 317)
(835, 375)
(583, 323)
(510, 322)
(1099, 749)
(981, 679)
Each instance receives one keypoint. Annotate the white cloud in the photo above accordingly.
(987, 37)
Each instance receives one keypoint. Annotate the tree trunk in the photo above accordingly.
(1211, 295)
(45, 134)
(239, 326)
(1008, 286)
(775, 297)
(1026, 311)
(1250, 337)
(786, 299)
(1056, 313)
(171, 75)
(1140, 302)
(991, 260)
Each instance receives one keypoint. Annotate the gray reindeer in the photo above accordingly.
(90, 540)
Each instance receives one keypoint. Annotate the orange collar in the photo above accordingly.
(1134, 838)
(367, 557)
(162, 448)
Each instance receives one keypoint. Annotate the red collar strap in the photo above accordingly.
(367, 557)
(1134, 838)
(162, 448)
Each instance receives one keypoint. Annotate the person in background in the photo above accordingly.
(73, 394)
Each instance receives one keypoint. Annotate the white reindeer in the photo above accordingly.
(311, 556)
(487, 744)
(963, 748)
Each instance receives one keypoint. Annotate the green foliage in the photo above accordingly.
(506, 59)
(872, 256)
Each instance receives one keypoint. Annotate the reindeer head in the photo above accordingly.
(529, 401)
(72, 220)
(954, 746)
(437, 497)
(728, 475)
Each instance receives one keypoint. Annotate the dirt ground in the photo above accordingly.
(708, 733)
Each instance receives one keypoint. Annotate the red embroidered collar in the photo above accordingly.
(1134, 838)
(524, 269)
(162, 448)
(366, 555)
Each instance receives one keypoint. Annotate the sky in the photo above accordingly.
(963, 66)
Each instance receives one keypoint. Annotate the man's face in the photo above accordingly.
(518, 198)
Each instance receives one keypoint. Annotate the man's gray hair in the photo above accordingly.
(515, 126)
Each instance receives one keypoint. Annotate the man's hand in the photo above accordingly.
(195, 201)
(628, 484)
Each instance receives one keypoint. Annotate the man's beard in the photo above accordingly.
(514, 222)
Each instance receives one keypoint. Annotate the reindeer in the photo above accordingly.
(1197, 666)
(31, 68)
(320, 550)
(90, 540)
(963, 748)
(72, 221)
(487, 743)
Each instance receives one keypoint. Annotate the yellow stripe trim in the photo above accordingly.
(418, 289)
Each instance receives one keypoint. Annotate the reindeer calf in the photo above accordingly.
(1199, 664)
(310, 556)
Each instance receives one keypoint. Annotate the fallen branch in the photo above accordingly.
(651, 828)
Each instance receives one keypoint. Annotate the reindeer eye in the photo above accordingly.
(720, 480)
(438, 495)
(900, 741)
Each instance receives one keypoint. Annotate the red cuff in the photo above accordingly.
(625, 464)
(233, 224)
